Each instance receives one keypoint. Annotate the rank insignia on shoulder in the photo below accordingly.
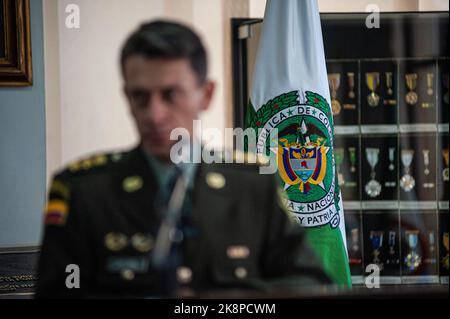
(215, 180)
(74, 167)
(88, 163)
(116, 157)
(100, 160)
(56, 212)
(60, 189)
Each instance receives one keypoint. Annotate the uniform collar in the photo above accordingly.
(163, 171)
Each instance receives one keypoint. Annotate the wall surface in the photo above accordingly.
(94, 116)
(93, 112)
(22, 150)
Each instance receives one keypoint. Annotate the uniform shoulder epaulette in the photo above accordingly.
(58, 207)
(93, 163)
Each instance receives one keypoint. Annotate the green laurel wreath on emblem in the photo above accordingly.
(316, 100)
(258, 119)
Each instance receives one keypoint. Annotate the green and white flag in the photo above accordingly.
(290, 92)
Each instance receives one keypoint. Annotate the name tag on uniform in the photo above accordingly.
(116, 264)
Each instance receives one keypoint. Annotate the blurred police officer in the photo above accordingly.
(104, 212)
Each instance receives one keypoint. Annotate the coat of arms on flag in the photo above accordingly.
(304, 158)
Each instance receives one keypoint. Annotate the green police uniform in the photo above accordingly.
(101, 216)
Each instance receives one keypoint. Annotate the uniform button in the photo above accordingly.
(184, 275)
(241, 272)
(127, 274)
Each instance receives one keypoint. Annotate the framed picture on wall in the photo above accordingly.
(15, 43)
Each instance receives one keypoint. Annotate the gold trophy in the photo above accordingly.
(372, 81)
(334, 81)
(411, 82)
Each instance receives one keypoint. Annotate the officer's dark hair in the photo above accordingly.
(166, 40)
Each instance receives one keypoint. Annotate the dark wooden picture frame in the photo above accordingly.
(15, 43)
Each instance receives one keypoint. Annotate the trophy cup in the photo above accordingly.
(412, 259)
(407, 182)
(411, 82)
(334, 81)
(372, 81)
(373, 187)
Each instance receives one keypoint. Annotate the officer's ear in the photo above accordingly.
(208, 88)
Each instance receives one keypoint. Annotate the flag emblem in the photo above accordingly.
(303, 154)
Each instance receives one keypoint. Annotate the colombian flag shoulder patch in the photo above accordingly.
(56, 212)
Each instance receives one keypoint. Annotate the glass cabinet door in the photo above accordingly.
(391, 127)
